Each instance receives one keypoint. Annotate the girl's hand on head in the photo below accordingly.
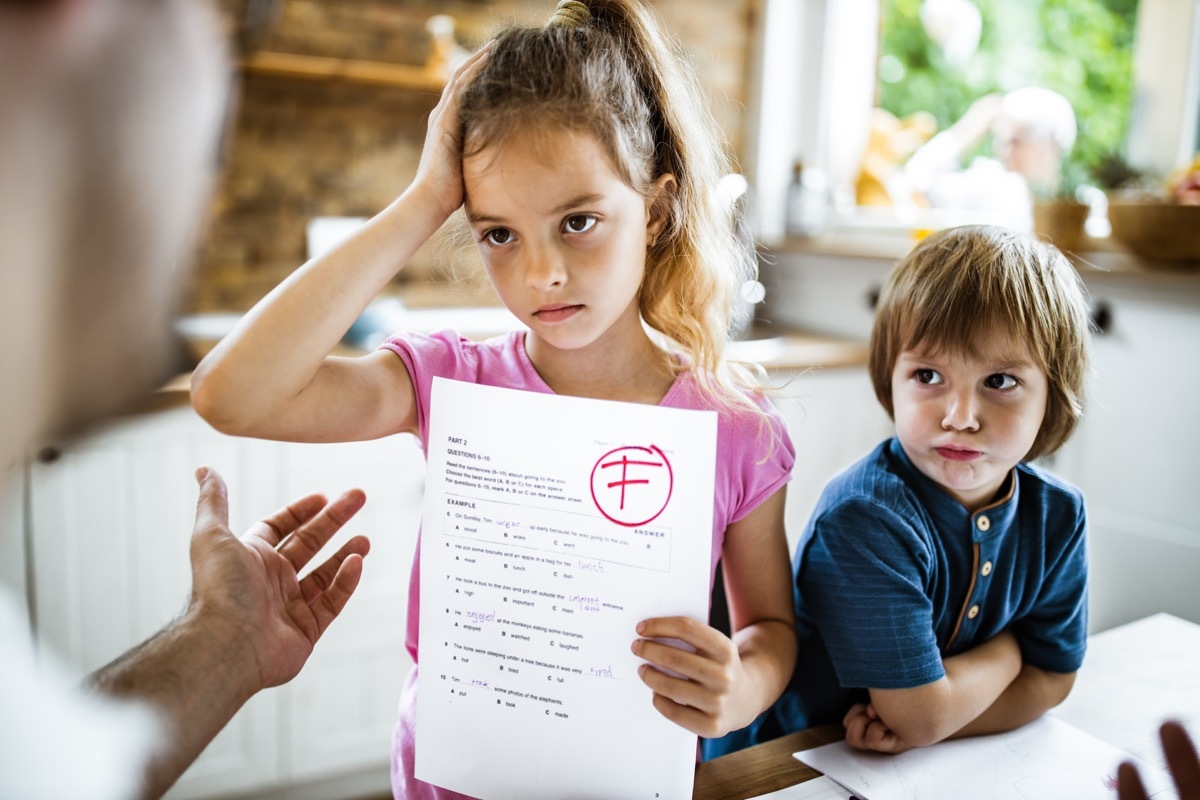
(440, 168)
(866, 731)
(706, 691)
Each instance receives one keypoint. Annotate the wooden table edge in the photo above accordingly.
(763, 768)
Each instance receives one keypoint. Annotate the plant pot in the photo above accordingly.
(1061, 221)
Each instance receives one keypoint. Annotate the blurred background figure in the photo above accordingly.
(1030, 130)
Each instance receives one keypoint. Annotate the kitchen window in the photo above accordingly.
(822, 64)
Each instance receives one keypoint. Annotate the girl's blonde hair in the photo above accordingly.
(605, 67)
(962, 283)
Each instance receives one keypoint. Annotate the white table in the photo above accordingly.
(1134, 677)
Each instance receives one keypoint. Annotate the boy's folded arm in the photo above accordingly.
(923, 715)
(1034, 692)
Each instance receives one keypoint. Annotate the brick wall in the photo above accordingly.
(300, 148)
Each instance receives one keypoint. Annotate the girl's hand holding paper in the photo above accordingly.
(698, 680)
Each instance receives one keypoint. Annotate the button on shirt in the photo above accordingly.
(888, 581)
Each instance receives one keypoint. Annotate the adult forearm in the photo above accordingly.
(1033, 693)
(276, 349)
(195, 675)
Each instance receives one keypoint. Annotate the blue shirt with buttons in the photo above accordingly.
(892, 575)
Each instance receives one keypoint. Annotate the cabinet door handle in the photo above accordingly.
(1102, 317)
(873, 296)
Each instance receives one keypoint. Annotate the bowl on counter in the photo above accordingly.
(1166, 233)
(201, 332)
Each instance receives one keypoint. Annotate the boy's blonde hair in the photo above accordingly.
(605, 67)
(961, 283)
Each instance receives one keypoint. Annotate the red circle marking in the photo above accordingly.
(670, 484)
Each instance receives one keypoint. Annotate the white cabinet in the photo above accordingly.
(111, 518)
(12, 533)
(1136, 454)
(824, 293)
(832, 414)
(341, 709)
(834, 420)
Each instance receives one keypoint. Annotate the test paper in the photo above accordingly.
(553, 525)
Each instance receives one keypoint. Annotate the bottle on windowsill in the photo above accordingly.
(807, 201)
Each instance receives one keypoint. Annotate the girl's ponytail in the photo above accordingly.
(696, 267)
(571, 14)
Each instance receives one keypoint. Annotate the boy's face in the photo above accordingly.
(965, 420)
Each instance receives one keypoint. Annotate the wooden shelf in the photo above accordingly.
(321, 68)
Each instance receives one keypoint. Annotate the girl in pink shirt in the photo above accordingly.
(587, 164)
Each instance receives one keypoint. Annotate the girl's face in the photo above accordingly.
(965, 421)
(562, 237)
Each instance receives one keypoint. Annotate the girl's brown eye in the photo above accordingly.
(498, 235)
(580, 223)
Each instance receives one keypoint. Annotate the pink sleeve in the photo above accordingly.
(443, 353)
(763, 453)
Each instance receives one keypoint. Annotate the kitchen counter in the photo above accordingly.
(1096, 258)
(776, 349)
(785, 349)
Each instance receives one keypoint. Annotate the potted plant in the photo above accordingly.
(1058, 213)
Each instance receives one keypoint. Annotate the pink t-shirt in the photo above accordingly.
(752, 463)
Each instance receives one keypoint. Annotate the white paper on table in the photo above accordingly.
(819, 788)
(1044, 760)
(552, 525)
(1134, 677)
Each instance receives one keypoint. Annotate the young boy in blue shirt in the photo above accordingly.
(941, 583)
